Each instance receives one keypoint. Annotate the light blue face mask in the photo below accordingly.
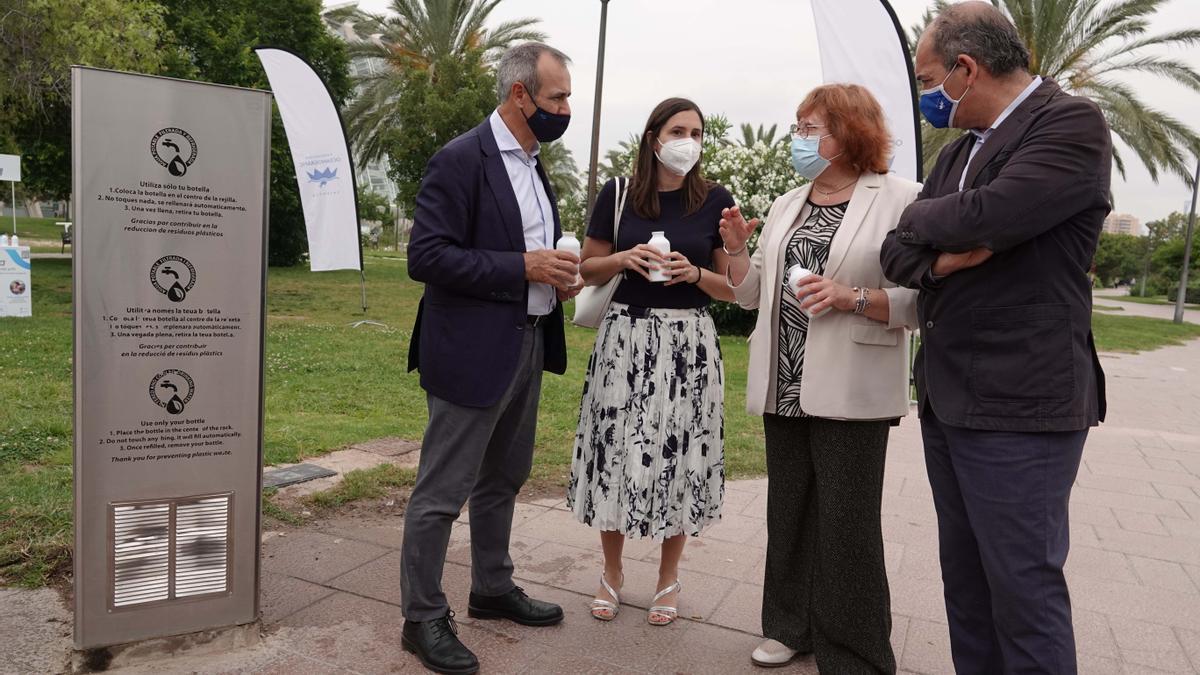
(806, 156)
(937, 106)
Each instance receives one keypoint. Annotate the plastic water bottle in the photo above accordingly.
(569, 243)
(3, 240)
(795, 274)
(14, 242)
(659, 241)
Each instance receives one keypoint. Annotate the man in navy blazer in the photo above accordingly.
(999, 243)
(490, 322)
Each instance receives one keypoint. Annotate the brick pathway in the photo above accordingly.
(331, 592)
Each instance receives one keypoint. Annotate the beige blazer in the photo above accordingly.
(855, 368)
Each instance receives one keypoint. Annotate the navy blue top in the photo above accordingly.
(695, 235)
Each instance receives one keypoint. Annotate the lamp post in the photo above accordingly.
(591, 186)
(1187, 249)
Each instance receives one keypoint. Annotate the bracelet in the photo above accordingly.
(737, 252)
(699, 275)
(863, 303)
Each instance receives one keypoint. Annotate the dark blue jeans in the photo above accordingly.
(1001, 500)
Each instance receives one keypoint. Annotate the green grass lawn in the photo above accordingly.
(328, 385)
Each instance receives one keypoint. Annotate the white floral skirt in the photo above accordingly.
(649, 456)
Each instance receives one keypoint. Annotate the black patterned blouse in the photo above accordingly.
(808, 246)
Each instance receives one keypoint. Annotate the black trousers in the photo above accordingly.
(1001, 500)
(826, 588)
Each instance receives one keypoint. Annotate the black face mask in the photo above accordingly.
(547, 127)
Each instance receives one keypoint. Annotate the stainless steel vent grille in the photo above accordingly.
(141, 554)
(170, 550)
(202, 547)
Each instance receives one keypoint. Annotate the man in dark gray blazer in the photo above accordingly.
(491, 320)
(999, 242)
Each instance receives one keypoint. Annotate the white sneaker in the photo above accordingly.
(773, 654)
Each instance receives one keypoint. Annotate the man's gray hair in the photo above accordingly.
(519, 64)
(981, 32)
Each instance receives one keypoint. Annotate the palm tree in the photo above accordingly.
(559, 165)
(751, 136)
(1083, 44)
(417, 35)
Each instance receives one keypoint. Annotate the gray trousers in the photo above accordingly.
(480, 454)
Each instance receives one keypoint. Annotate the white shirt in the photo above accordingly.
(537, 216)
(982, 136)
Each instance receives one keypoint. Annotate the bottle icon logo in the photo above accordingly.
(173, 276)
(174, 149)
(172, 389)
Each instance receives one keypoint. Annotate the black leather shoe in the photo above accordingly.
(436, 643)
(514, 606)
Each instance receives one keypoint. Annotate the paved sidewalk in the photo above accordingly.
(331, 592)
(1118, 297)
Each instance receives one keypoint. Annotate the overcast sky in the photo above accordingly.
(753, 60)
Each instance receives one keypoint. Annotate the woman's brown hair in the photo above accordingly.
(643, 186)
(854, 117)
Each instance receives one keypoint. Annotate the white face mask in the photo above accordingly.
(679, 155)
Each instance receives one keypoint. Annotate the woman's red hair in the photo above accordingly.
(854, 117)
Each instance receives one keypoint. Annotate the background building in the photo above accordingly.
(1122, 223)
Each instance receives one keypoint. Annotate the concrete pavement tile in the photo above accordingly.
(719, 558)
(711, 650)
(384, 532)
(1136, 603)
(1135, 476)
(755, 485)
(919, 598)
(316, 556)
(282, 595)
(547, 563)
(734, 527)
(908, 531)
(757, 508)
(551, 502)
(1092, 514)
(347, 631)
(497, 652)
(1191, 646)
(1098, 665)
(1093, 635)
(1083, 534)
(459, 548)
(554, 662)
(1163, 464)
(899, 635)
(918, 509)
(1179, 493)
(736, 501)
(1115, 484)
(1193, 571)
(1120, 452)
(920, 562)
(1162, 574)
(1148, 545)
(36, 626)
(1156, 505)
(1188, 529)
(927, 648)
(625, 644)
(893, 557)
(917, 488)
(378, 579)
(741, 609)
(1149, 644)
(1094, 562)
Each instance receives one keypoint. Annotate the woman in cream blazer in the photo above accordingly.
(829, 387)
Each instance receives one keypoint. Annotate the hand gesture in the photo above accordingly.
(548, 266)
(735, 231)
(641, 259)
(818, 294)
(680, 269)
(949, 263)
